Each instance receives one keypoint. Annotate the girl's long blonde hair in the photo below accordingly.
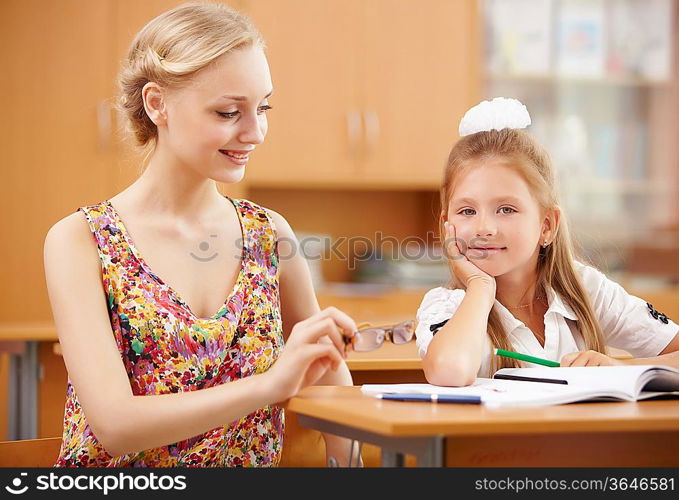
(556, 261)
(169, 50)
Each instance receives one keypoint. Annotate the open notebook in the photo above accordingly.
(514, 386)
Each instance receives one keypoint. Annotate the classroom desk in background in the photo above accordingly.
(608, 434)
(20, 376)
(388, 364)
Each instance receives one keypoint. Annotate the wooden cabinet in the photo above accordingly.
(367, 94)
(57, 152)
(419, 76)
(315, 126)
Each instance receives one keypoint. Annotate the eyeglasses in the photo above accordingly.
(368, 339)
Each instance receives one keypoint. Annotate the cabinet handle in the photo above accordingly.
(103, 125)
(353, 131)
(372, 129)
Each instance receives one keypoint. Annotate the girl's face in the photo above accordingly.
(215, 121)
(497, 221)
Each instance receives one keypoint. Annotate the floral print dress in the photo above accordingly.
(167, 349)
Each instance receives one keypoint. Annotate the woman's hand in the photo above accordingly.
(588, 358)
(464, 269)
(304, 359)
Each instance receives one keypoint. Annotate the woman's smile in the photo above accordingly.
(237, 157)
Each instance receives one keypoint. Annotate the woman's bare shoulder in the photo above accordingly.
(75, 220)
(70, 236)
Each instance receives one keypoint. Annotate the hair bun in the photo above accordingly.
(497, 114)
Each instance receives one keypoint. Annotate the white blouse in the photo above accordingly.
(628, 322)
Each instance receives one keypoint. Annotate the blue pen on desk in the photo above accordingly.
(433, 398)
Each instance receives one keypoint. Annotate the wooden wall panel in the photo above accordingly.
(419, 76)
(57, 60)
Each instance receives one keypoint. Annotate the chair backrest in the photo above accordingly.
(30, 452)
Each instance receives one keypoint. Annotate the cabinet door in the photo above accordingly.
(420, 74)
(55, 134)
(314, 128)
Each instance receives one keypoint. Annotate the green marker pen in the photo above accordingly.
(525, 357)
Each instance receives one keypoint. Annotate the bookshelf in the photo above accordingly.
(599, 79)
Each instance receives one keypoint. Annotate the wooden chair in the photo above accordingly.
(30, 452)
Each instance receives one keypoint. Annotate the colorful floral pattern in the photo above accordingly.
(167, 349)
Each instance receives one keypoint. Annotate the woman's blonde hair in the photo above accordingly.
(170, 49)
(556, 262)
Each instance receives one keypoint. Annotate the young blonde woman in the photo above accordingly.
(180, 328)
(517, 284)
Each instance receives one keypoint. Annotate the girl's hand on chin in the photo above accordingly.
(465, 270)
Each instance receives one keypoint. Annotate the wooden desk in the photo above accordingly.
(20, 377)
(390, 364)
(583, 435)
(387, 357)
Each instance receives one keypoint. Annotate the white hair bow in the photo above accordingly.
(497, 114)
